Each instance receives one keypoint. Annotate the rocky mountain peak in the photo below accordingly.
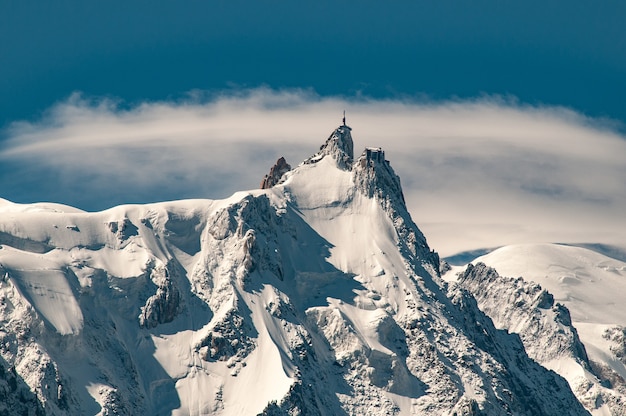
(276, 172)
(339, 145)
(318, 297)
(375, 176)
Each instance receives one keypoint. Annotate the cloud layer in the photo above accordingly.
(478, 173)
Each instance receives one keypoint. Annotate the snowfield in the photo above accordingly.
(591, 285)
(316, 296)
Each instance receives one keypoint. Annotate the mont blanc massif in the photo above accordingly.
(315, 295)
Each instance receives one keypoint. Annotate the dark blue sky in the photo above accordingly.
(556, 53)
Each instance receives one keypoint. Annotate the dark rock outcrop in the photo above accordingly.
(276, 172)
(164, 305)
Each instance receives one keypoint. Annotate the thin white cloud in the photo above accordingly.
(476, 173)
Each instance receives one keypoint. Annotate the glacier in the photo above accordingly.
(316, 296)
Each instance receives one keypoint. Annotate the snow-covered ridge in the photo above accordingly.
(551, 283)
(318, 295)
(339, 146)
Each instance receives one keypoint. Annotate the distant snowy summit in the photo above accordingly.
(317, 295)
(566, 304)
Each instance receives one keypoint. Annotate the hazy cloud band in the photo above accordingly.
(475, 173)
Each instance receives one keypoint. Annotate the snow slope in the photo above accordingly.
(590, 285)
(316, 296)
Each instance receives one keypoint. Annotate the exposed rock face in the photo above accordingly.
(276, 172)
(15, 395)
(374, 177)
(340, 146)
(229, 339)
(527, 309)
(123, 229)
(545, 328)
(163, 306)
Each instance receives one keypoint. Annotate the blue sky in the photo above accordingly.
(555, 70)
(549, 52)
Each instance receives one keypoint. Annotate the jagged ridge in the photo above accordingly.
(319, 294)
(546, 330)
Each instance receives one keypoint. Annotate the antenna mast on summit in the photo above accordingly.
(344, 117)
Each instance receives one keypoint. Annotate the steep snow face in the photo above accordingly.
(587, 349)
(42, 280)
(316, 296)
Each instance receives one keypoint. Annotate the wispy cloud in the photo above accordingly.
(476, 173)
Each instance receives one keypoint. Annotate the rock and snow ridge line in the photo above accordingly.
(318, 295)
(585, 346)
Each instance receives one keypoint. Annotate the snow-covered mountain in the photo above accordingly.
(567, 305)
(317, 295)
